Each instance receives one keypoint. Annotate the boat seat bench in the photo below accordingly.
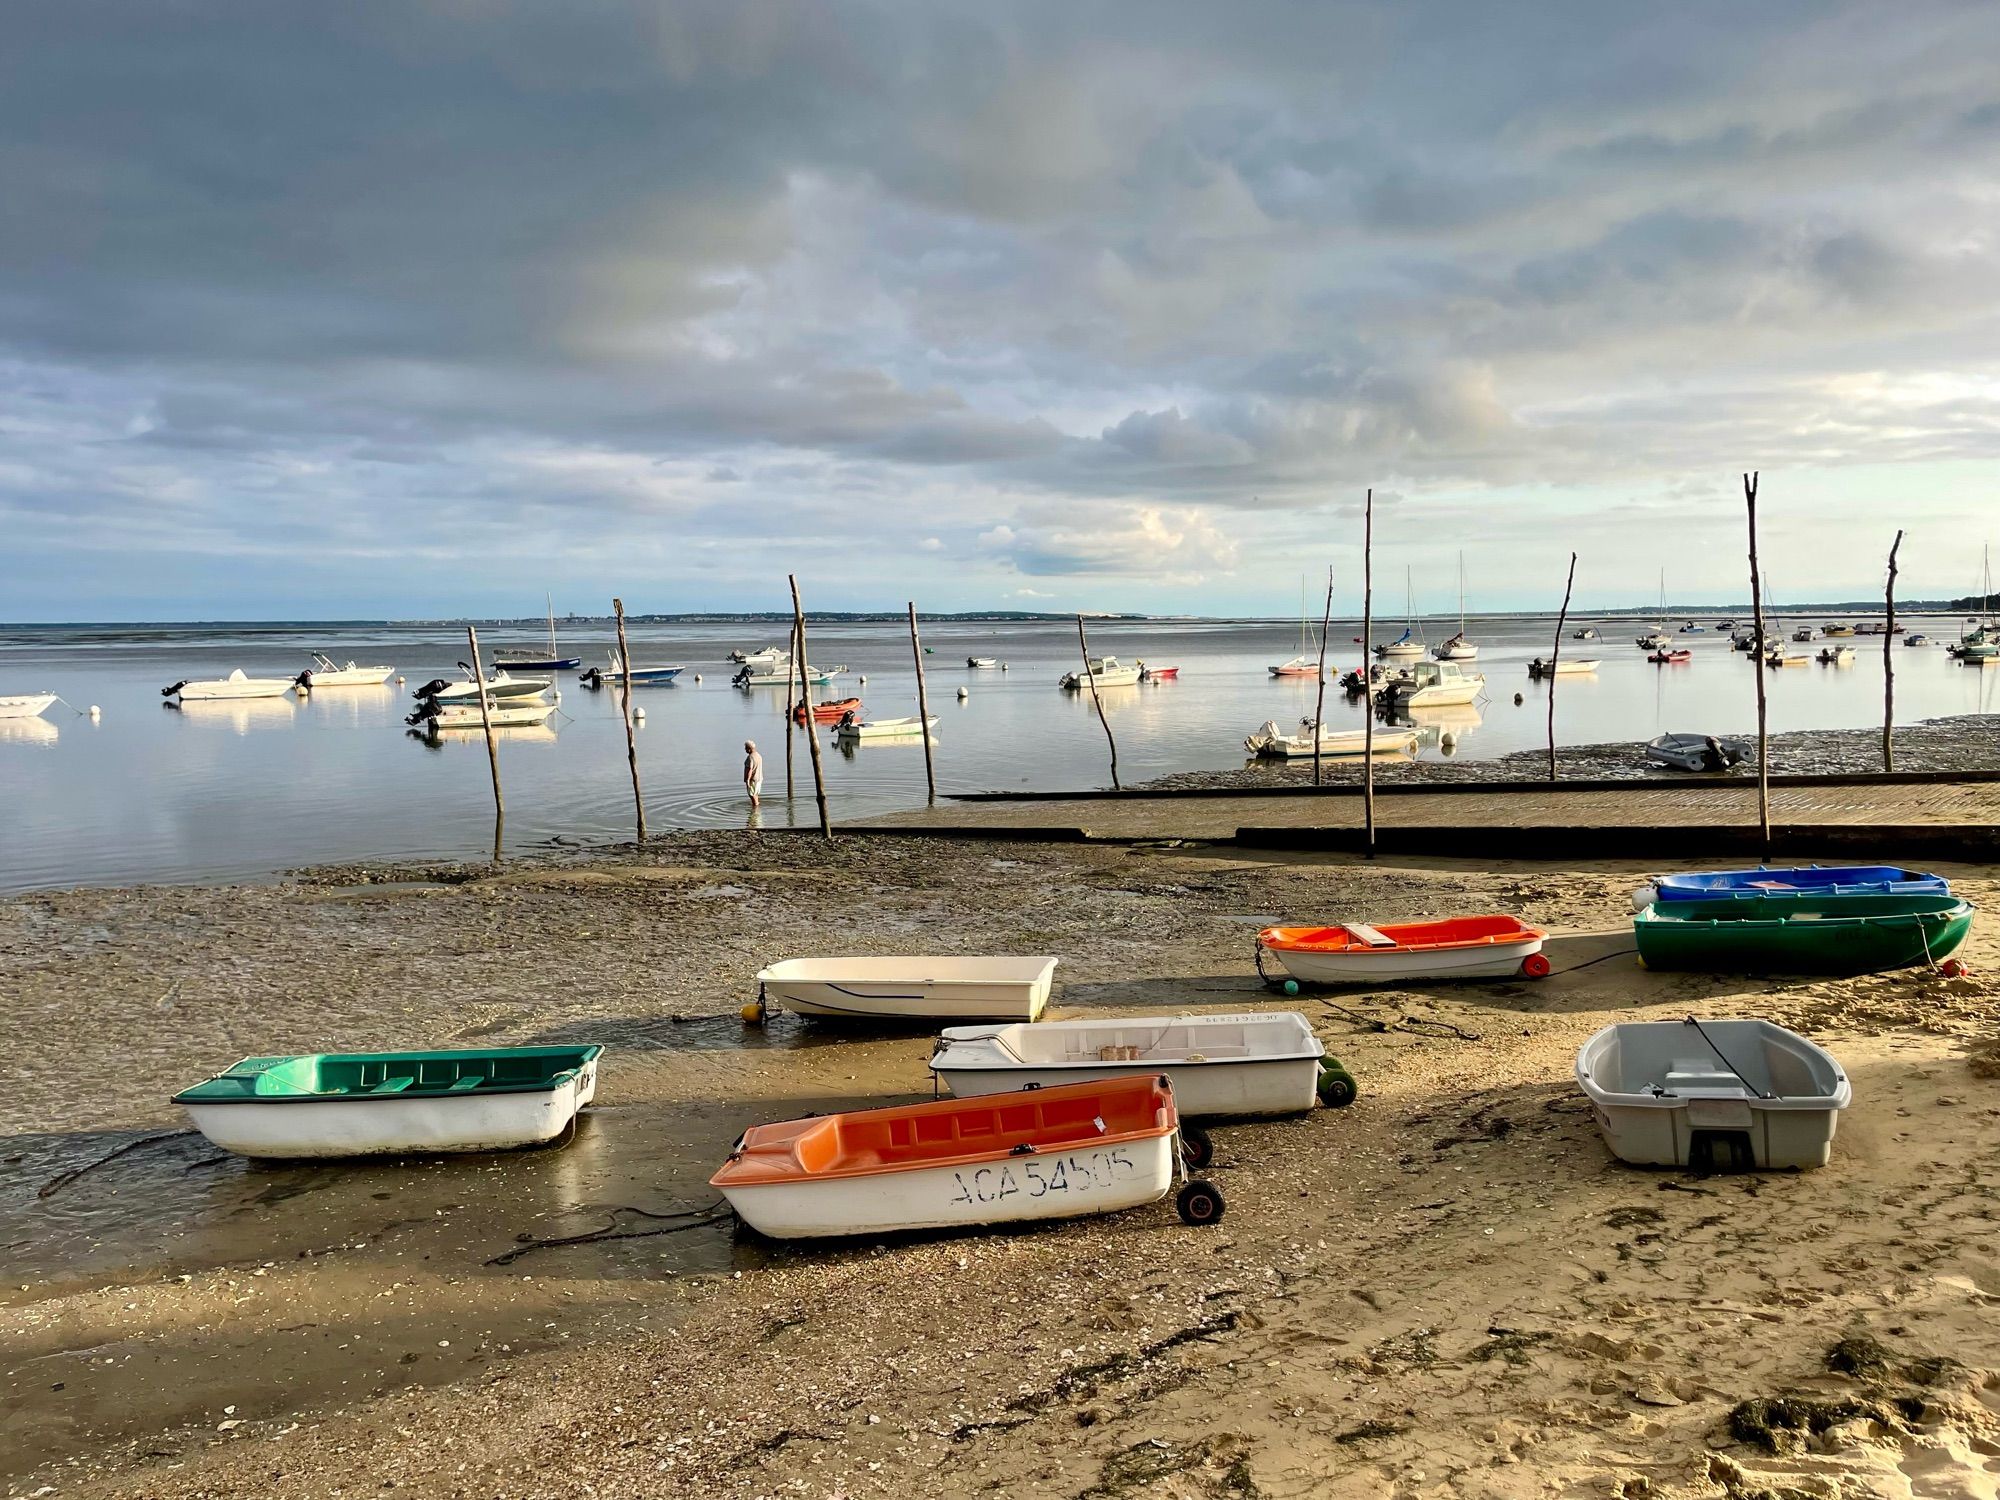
(1373, 937)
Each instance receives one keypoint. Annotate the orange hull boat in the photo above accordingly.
(1047, 1153)
(1454, 948)
(828, 713)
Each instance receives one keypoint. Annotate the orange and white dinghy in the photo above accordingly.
(1483, 947)
(1048, 1153)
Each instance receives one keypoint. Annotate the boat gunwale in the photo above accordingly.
(993, 1034)
(1668, 916)
(548, 1083)
(782, 1168)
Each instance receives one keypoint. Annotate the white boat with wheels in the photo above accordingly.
(1713, 1095)
(1107, 671)
(1058, 1153)
(235, 685)
(884, 729)
(325, 672)
(1273, 744)
(25, 705)
(1256, 1063)
(917, 988)
(393, 1103)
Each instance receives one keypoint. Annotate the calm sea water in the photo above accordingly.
(229, 791)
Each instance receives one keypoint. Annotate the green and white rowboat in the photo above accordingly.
(394, 1103)
(1801, 934)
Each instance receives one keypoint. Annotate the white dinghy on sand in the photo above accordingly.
(909, 988)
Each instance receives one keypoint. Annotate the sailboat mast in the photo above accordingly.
(550, 600)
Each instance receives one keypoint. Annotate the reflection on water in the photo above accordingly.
(29, 731)
(243, 788)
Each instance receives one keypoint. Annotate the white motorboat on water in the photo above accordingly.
(325, 672)
(1105, 671)
(1259, 1063)
(982, 663)
(784, 674)
(502, 684)
(769, 656)
(1564, 666)
(851, 728)
(25, 705)
(393, 1103)
(1434, 684)
(1272, 744)
(1698, 752)
(1713, 1095)
(910, 988)
(507, 713)
(235, 685)
(1587, 633)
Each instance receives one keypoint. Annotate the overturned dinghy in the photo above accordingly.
(1259, 1063)
(1090, 1148)
(393, 1103)
(1697, 752)
(1712, 1094)
(909, 988)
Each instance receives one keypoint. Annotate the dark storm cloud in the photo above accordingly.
(875, 271)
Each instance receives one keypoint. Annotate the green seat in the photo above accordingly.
(393, 1085)
(469, 1081)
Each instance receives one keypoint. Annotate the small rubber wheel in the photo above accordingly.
(1536, 966)
(1197, 1150)
(1200, 1202)
(1337, 1090)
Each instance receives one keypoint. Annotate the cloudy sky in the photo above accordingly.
(415, 309)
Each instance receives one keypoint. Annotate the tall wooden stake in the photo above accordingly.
(791, 715)
(923, 704)
(1763, 666)
(1889, 665)
(1090, 677)
(1555, 660)
(1319, 707)
(492, 747)
(806, 697)
(625, 707)
(1367, 672)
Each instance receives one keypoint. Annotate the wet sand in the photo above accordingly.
(1446, 1288)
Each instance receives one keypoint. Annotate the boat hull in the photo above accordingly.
(1024, 1189)
(1483, 947)
(1656, 1089)
(1212, 1062)
(1801, 934)
(351, 677)
(1796, 880)
(233, 688)
(910, 989)
(25, 705)
(509, 687)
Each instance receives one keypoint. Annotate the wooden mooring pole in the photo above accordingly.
(791, 714)
(1555, 660)
(1763, 666)
(1889, 664)
(805, 697)
(1090, 676)
(1367, 674)
(492, 746)
(625, 708)
(1319, 706)
(923, 705)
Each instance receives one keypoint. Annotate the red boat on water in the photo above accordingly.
(828, 713)
(1666, 657)
(1162, 674)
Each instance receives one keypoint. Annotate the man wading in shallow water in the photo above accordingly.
(753, 771)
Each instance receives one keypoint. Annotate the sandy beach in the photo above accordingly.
(1446, 1289)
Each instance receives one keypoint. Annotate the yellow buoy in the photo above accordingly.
(753, 1014)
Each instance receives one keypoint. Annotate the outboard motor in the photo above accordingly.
(424, 716)
(741, 679)
(847, 720)
(430, 689)
(304, 681)
(168, 692)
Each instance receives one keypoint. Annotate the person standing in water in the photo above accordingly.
(753, 771)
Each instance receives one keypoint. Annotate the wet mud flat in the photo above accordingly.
(1445, 1288)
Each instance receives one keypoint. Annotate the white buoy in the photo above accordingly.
(638, 716)
(1003, 666)
(399, 682)
(96, 712)
(697, 677)
(862, 680)
(963, 695)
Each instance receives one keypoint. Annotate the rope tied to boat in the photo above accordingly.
(1759, 1093)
